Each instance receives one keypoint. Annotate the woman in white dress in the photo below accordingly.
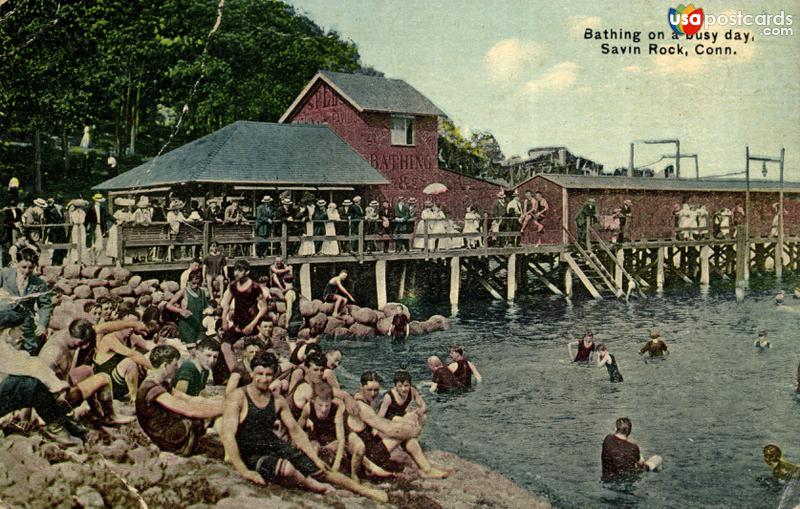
(142, 216)
(425, 224)
(306, 244)
(472, 224)
(437, 227)
(331, 247)
(122, 216)
(76, 210)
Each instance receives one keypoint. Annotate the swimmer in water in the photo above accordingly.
(761, 343)
(656, 347)
(586, 348)
(781, 469)
(604, 358)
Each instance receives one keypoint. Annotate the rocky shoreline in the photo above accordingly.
(120, 468)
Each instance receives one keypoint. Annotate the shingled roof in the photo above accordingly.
(372, 93)
(256, 153)
(662, 184)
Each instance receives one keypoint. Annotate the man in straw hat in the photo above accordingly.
(319, 216)
(265, 215)
(356, 216)
(33, 218)
(58, 232)
(343, 227)
(175, 219)
(498, 212)
(371, 221)
(97, 222)
(403, 223)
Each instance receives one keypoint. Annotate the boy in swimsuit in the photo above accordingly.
(656, 347)
(396, 401)
(372, 450)
(463, 368)
(762, 343)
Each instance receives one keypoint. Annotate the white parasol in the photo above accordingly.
(434, 189)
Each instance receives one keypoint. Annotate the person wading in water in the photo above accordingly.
(586, 348)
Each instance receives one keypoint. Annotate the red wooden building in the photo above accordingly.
(395, 128)
(653, 201)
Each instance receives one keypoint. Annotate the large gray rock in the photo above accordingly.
(169, 286)
(88, 498)
(365, 316)
(123, 291)
(83, 292)
(332, 324)
(72, 271)
(361, 330)
(90, 272)
(384, 326)
(120, 274)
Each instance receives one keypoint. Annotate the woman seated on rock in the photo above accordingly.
(336, 292)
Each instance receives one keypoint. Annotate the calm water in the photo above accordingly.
(540, 420)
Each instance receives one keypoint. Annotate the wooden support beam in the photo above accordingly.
(511, 275)
(578, 272)
(305, 280)
(539, 273)
(620, 254)
(488, 287)
(455, 282)
(705, 254)
(380, 282)
(662, 253)
(568, 282)
(742, 254)
(401, 292)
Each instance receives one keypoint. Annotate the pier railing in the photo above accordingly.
(158, 242)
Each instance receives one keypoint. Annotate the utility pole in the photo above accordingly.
(687, 156)
(677, 155)
(765, 160)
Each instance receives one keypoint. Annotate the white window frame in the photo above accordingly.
(399, 137)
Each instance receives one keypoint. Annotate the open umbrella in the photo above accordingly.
(434, 189)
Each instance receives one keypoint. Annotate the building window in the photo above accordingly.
(402, 130)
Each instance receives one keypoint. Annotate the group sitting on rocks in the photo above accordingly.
(230, 359)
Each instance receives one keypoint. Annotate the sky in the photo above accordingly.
(524, 71)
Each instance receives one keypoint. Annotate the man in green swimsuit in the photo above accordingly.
(189, 303)
(193, 374)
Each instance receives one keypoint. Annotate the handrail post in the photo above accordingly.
(361, 241)
(425, 230)
(206, 237)
(120, 245)
(255, 240)
(485, 233)
(284, 240)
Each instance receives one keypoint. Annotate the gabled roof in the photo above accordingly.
(256, 153)
(371, 93)
(662, 184)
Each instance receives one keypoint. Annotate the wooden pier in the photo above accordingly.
(498, 264)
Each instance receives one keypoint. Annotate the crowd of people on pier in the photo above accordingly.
(87, 231)
(206, 362)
